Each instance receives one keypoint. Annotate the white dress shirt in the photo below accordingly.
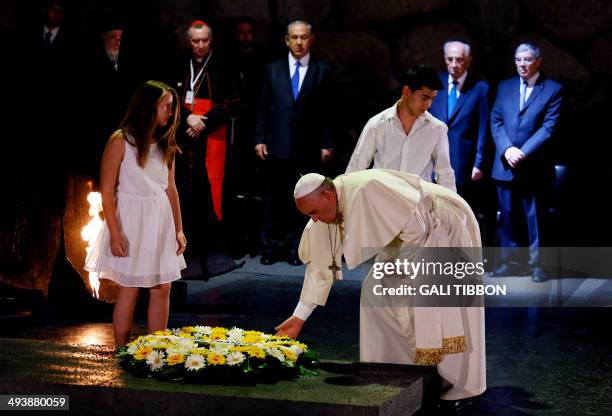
(460, 82)
(53, 33)
(303, 67)
(421, 152)
(530, 84)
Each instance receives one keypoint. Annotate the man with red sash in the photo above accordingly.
(206, 89)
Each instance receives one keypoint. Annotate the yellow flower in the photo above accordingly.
(218, 336)
(282, 337)
(252, 338)
(219, 329)
(290, 355)
(199, 351)
(256, 352)
(163, 332)
(142, 352)
(239, 348)
(188, 329)
(185, 335)
(175, 359)
(215, 359)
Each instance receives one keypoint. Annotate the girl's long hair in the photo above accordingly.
(140, 121)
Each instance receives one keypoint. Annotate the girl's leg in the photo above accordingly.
(159, 307)
(123, 314)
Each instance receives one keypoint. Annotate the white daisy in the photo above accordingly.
(174, 350)
(194, 362)
(297, 349)
(276, 353)
(204, 330)
(219, 348)
(235, 335)
(185, 344)
(234, 358)
(132, 348)
(155, 359)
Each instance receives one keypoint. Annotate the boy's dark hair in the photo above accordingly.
(421, 76)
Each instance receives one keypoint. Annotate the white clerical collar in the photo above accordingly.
(531, 81)
(460, 80)
(303, 61)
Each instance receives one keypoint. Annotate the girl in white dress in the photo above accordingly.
(142, 242)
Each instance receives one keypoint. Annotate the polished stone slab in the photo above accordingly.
(97, 385)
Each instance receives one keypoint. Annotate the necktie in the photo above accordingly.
(523, 96)
(452, 98)
(48, 39)
(295, 80)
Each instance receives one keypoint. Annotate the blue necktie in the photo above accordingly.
(295, 81)
(452, 99)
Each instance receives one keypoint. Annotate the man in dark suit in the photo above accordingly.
(293, 137)
(463, 105)
(523, 121)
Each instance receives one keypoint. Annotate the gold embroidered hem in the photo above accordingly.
(434, 356)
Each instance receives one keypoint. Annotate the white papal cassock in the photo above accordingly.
(387, 209)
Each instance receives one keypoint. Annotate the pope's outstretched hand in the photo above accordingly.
(291, 327)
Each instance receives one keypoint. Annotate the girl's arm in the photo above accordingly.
(109, 171)
(173, 197)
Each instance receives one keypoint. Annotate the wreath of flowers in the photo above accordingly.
(202, 354)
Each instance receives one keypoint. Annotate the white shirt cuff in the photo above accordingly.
(304, 309)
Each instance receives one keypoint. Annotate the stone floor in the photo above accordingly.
(540, 361)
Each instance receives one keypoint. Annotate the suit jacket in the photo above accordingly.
(295, 129)
(529, 129)
(467, 126)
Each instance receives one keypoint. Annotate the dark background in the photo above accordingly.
(368, 42)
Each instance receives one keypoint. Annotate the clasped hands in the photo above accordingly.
(196, 125)
(514, 156)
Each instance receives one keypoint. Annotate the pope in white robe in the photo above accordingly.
(357, 213)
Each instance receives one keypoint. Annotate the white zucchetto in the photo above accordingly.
(307, 184)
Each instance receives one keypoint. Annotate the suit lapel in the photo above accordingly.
(514, 96)
(310, 73)
(466, 90)
(537, 88)
(286, 77)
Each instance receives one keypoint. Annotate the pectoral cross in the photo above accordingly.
(334, 269)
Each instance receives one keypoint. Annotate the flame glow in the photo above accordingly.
(90, 232)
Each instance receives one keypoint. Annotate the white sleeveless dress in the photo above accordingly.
(146, 221)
